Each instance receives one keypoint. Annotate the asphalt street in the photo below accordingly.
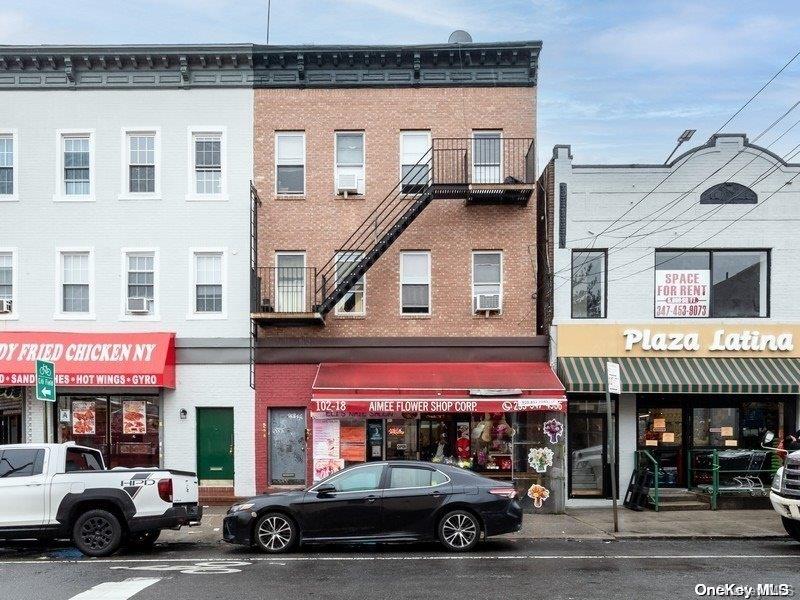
(547, 569)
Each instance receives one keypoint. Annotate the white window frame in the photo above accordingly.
(302, 136)
(480, 132)
(341, 313)
(404, 133)
(500, 253)
(361, 181)
(154, 315)
(14, 196)
(193, 314)
(191, 193)
(60, 194)
(14, 314)
(430, 284)
(59, 314)
(125, 193)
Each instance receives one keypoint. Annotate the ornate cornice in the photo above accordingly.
(247, 65)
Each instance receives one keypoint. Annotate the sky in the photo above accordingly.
(618, 80)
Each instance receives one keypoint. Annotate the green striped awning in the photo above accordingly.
(684, 375)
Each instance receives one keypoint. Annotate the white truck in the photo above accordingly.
(785, 494)
(50, 491)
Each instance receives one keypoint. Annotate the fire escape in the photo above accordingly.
(483, 170)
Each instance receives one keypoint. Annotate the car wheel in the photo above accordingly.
(97, 533)
(792, 527)
(459, 531)
(143, 540)
(275, 533)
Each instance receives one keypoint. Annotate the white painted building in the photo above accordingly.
(686, 275)
(126, 173)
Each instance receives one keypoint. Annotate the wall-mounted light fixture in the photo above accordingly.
(183, 414)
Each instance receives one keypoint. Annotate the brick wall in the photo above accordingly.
(321, 221)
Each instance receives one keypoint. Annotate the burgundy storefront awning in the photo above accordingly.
(436, 387)
(89, 359)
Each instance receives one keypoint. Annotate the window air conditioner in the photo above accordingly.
(138, 306)
(347, 183)
(487, 302)
(5, 306)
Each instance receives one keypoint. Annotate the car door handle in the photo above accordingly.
(371, 499)
(33, 485)
(436, 494)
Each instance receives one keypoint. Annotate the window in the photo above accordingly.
(6, 279)
(208, 282)
(83, 460)
(588, 284)
(207, 164)
(415, 282)
(8, 171)
(711, 283)
(414, 168)
(141, 164)
(290, 282)
(413, 477)
(76, 282)
(353, 302)
(140, 282)
(350, 163)
(486, 157)
(487, 281)
(290, 163)
(77, 165)
(21, 463)
(359, 479)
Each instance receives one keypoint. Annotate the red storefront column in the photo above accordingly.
(279, 385)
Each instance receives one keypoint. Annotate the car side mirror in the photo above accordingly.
(325, 489)
(769, 437)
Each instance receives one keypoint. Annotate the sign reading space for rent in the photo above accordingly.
(682, 293)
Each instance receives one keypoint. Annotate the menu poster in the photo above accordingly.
(323, 467)
(84, 415)
(354, 442)
(134, 417)
(325, 438)
(659, 424)
(668, 438)
(726, 431)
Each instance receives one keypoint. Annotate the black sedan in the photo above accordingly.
(397, 501)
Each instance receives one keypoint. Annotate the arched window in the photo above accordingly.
(728, 193)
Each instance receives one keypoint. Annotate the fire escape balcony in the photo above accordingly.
(285, 296)
(484, 169)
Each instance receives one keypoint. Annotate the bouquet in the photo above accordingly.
(538, 493)
(554, 430)
(540, 458)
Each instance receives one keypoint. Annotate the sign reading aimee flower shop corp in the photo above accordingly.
(682, 293)
(89, 359)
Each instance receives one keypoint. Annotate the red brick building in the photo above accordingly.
(394, 261)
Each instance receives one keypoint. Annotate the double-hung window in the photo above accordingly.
(141, 168)
(8, 166)
(140, 283)
(487, 161)
(353, 302)
(349, 162)
(711, 283)
(290, 163)
(487, 281)
(415, 283)
(415, 160)
(77, 165)
(207, 165)
(76, 283)
(588, 284)
(208, 282)
(7, 284)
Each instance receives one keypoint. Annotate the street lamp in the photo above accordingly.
(684, 137)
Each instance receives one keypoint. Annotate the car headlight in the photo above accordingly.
(777, 481)
(238, 507)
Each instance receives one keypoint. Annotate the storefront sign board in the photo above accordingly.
(461, 405)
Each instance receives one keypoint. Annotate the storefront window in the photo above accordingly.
(401, 439)
(538, 459)
(588, 435)
(715, 427)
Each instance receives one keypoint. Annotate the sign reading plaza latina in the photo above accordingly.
(682, 293)
(722, 340)
(89, 359)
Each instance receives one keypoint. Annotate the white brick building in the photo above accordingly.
(130, 178)
(649, 264)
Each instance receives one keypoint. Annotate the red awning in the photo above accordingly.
(436, 387)
(89, 359)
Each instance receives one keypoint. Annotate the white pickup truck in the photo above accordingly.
(785, 494)
(64, 491)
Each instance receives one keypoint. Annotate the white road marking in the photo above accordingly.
(216, 567)
(440, 557)
(117, 590)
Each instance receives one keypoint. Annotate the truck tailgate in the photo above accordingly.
(184, 487)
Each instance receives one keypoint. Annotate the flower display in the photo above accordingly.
(540, 458)
(554, 430)
(538, 493)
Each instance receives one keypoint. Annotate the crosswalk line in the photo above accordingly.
(117, 590)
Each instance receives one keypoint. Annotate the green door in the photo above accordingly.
(214, 443)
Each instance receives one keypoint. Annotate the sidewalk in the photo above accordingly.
(579, 524)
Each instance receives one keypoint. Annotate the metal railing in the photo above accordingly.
(483, 159)
(649, 458)
(285, 290)
(716, 480)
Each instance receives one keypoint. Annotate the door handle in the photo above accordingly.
(33, 485)
(371, 499)
(436, 494)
